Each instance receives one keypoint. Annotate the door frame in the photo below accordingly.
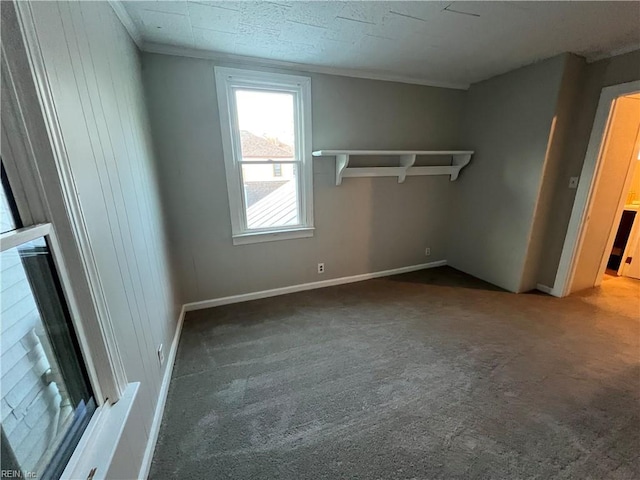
(589, 177)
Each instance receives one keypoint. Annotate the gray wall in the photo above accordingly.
(504, 220)
(365, 225)
(93, 68)
(554, 176)
(507, 122)
(611, 71)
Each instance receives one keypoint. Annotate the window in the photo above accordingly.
(266, 133)
(46, 397)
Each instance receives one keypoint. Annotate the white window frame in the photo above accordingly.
(227, 80)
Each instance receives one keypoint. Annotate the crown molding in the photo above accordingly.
(127, 21)
(228, 58)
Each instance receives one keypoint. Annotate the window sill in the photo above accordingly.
(100, 440)
(259, 237)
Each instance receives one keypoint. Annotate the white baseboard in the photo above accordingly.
(162, 399)
(245, 297)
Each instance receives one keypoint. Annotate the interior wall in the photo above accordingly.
(364, 225)
(611, 71)
(633, 193)
(616, 158)
(94, 72)
(508, 121)
(553, 174)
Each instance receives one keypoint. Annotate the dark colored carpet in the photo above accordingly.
(426, 375)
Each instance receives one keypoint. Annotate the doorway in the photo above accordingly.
(605, 221)
(623, 260)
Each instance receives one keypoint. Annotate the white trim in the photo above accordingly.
(101, 438)
(15, 238)
(245, 297)
(270, 236)
(127, 22)
(544, 289)
(162, 399)
(586, 186)
(229, 58)
(300, 87)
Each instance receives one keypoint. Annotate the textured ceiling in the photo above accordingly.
(440, 42)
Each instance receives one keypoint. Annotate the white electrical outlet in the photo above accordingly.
(573, 182)
(160, 355)
(321, 268)
(427, 251)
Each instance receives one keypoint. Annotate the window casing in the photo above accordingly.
(257, 216)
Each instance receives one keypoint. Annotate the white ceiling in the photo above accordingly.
(424, 42)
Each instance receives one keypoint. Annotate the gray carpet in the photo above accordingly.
(425, 375)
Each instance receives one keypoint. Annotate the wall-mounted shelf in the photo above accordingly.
(459, 159)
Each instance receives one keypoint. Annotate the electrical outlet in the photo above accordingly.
(321, 268)
(573, 182)
(427, 251)
(160, 355)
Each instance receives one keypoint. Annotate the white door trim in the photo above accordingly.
(588, 180)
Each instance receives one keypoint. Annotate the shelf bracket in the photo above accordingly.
(459, 161)
(342, 162)
(406, 161)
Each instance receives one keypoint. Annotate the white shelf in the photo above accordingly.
(459, 159)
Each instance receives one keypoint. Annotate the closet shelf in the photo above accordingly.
(459, 159)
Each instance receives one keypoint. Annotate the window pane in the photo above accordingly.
(271, 201)
(46, 398)
(266, 123)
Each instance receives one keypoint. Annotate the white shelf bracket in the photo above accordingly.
(406, 161)
(459, 161)
(342, 162)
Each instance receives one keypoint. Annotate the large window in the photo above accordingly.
(266, 129)
(45, 394)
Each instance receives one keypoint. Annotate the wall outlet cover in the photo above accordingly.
(321, 268)
(427, 251)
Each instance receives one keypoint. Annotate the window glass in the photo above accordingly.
(266, 124)
(46, 398)
(271, 201)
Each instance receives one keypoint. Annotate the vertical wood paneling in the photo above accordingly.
(94, 71)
